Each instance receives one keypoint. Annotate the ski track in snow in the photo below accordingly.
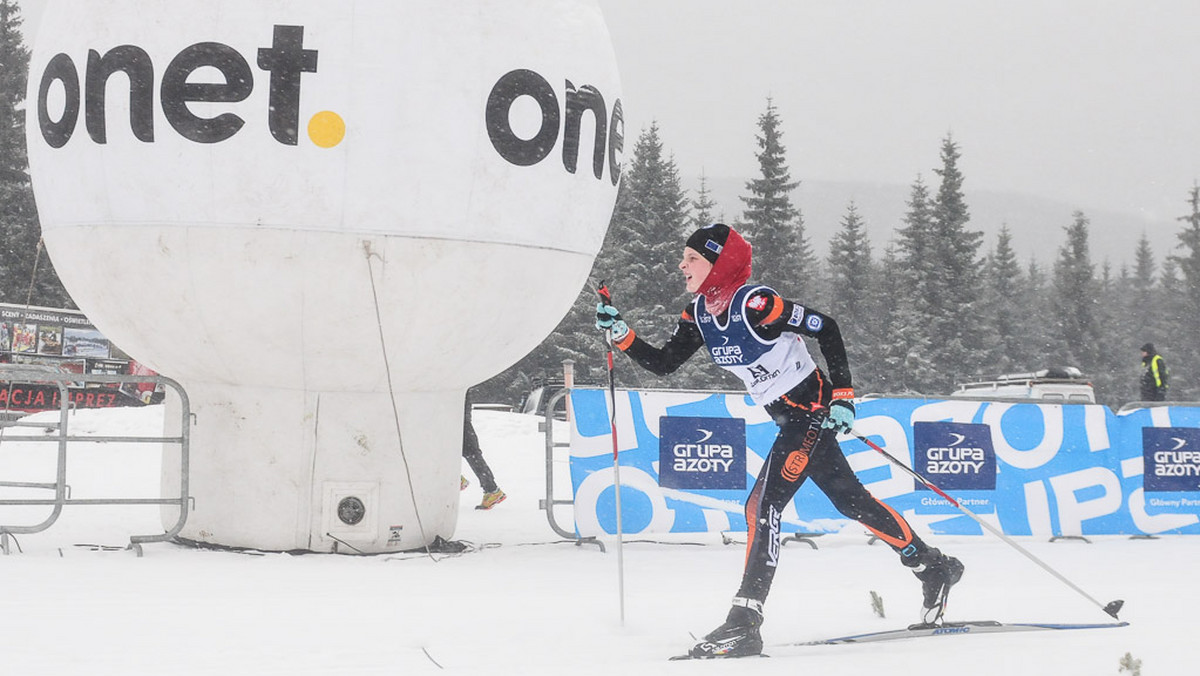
(526, 602)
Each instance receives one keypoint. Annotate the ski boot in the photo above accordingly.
(937, 573)
(738, 637)
(491, 498)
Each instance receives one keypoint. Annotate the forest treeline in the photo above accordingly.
(932, 306)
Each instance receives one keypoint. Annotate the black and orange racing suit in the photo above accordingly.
(802, 450)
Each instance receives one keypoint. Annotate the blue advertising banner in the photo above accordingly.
(702, 453)
(954, 456)
(1172, 458)
(1027, 468)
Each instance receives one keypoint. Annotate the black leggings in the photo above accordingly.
(474, 456)
(802, 451)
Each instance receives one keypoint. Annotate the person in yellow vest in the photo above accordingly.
(1154, 374)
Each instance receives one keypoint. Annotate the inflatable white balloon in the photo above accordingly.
(327, 220)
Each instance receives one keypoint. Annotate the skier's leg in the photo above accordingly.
(779, 479)
(781, 476)
(937, 572)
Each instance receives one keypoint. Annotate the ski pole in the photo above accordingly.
(606, 297)
(1111, 608)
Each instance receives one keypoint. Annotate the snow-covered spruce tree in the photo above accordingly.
(850, 299)
(20, 232)
(1184, 338)
(915, 274)
(703, 206)
(955, 328)
(901, 363)
(783, 256)
(1073, 301)
(1136, 298)
(1004, 312)
(1111, 375)
(1142, 301)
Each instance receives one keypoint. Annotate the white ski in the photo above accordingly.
(956, 629)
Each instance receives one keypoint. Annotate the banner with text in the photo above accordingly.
(688, 460)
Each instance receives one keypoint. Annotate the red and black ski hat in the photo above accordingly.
(730, 256)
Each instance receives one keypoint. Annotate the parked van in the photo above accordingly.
(1063, 385)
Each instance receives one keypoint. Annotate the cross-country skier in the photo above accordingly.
(751, 331)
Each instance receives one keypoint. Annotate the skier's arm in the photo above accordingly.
(772, 315)
(658, 360)
(663, 360)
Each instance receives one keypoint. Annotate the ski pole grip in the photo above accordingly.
(605, 294)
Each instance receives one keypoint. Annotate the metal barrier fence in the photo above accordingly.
(16, 373)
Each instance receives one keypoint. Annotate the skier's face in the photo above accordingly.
(695, 269)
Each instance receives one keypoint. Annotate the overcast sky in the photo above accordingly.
(1092, 102)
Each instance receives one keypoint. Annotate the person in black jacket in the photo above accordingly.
(754, 333)
(1154, 374)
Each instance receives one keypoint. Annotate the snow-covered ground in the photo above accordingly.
(526, 602)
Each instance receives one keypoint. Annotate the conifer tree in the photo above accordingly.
(955, 326)
(850, 279)
(703, 206)
(1184, 337)
(917, 273)
(1140, 308)
(1111, 375)
(1005, 309)
(26, 274)
(902, 361)
(1074, 300)
(783, 257)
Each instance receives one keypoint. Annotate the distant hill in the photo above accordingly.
(1036, 223)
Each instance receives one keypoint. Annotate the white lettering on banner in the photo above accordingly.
(703, 450)
(1177, 470)
(587, 499)
(703, 465)
(965, 502)
(1177, 463)
(1156, 523)
(702, 457)
(946, 453)
(1027, 458)
(1182, 502)
(948, 460)
(953, 467)
(1072, 512)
